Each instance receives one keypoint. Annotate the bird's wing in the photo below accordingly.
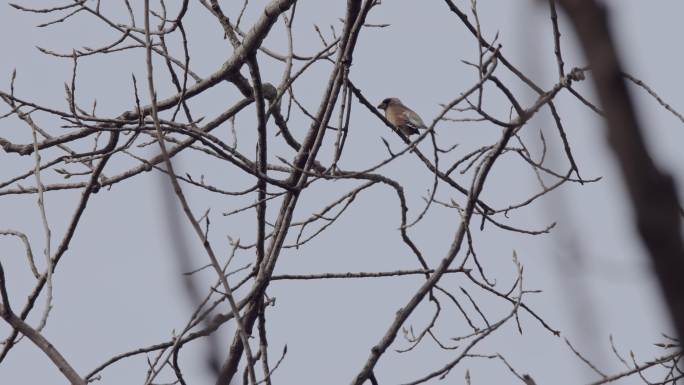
(412, 119)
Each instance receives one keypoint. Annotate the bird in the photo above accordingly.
(402, 117)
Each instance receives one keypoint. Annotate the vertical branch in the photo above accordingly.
(261, 161)
(480, 48)
(304, 160)
(46, 229)
(181, 197)
(556, 39)
(343, 121)
(652, 192)
(263, 344)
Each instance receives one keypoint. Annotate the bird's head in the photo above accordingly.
(388, 102)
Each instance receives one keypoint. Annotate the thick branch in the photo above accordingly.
(652, 192)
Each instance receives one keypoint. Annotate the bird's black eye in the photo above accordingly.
(386, 101)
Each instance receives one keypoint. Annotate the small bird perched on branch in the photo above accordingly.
(402, 117)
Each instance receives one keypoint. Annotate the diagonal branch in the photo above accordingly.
(652, 192)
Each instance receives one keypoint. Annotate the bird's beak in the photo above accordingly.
(381, 106)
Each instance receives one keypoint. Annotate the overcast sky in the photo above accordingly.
(119, 287)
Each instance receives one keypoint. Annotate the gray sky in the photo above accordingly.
(118, 287)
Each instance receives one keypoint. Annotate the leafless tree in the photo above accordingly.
(86, 152)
